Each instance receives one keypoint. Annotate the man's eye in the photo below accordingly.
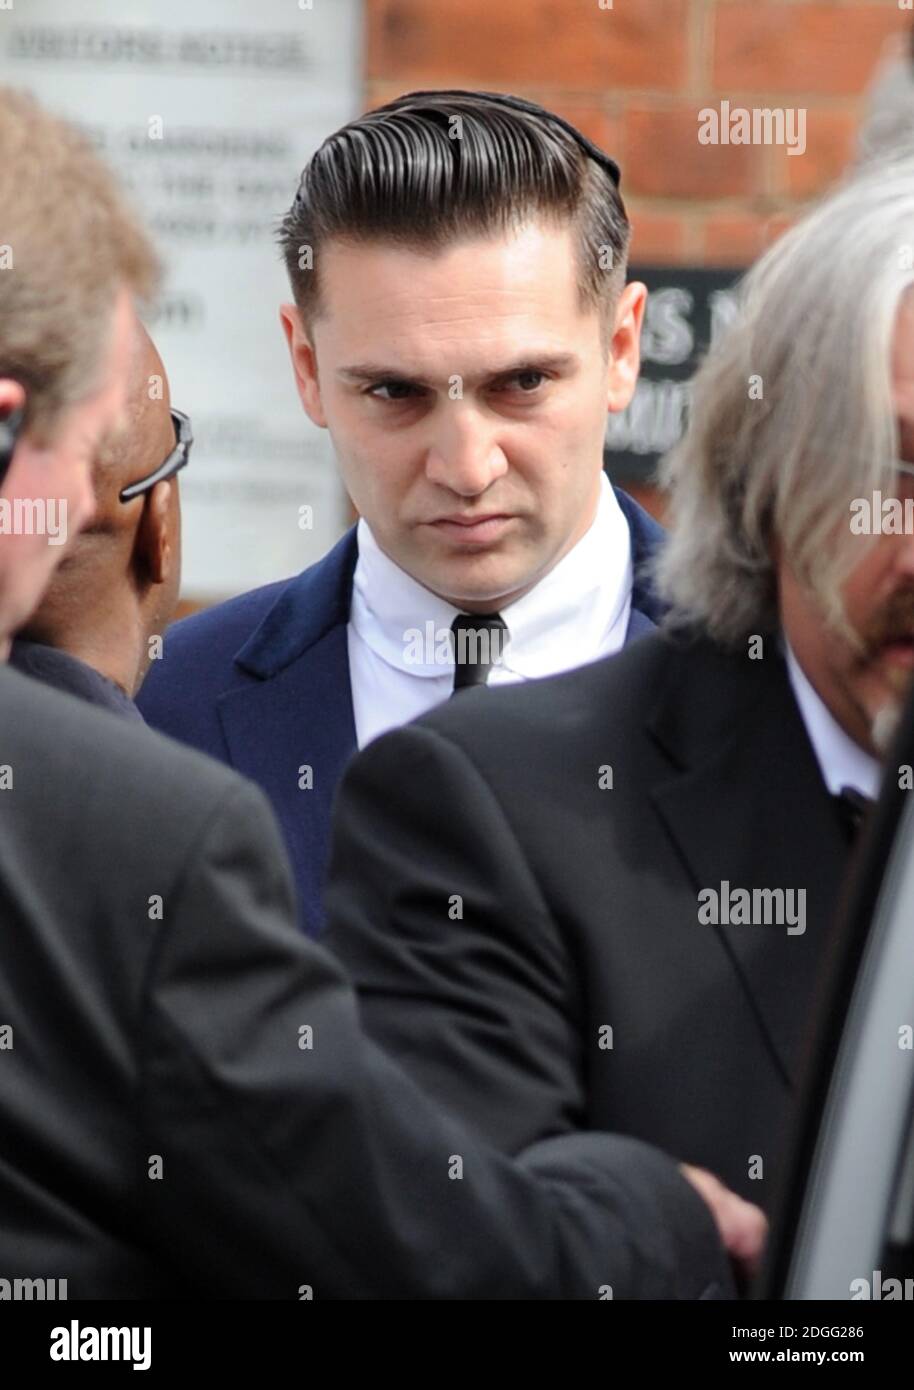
(527, 381)
(396, 390)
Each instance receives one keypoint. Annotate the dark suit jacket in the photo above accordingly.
(167, 1129)
(262, 683)
(580, 903)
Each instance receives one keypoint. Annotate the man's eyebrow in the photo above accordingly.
(530, 362)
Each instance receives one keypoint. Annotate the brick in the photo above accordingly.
(516, 43)
(830, 144)
(598, 125)
(796, 48)
(663, 158)
(658, 238)
(737, 239)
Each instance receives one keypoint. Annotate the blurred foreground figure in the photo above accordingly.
(187, 1104)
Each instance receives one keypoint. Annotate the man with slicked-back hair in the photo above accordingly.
(461, 325)
(188, 1105)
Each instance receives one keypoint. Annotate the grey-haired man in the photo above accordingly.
(604, 900)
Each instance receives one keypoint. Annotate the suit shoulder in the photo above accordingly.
(212, 637)
(271, 625)
(647, 528)
(615, 687)
(198, 663)
(66, 751)
(222, 628)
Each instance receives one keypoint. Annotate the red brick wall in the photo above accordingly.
(634, 78)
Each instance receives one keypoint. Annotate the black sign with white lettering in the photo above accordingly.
(686, 309)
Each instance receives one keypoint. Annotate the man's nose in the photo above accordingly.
(463, 455)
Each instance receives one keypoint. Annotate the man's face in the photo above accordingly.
(466, 394)
(864, 689)
(59, 472)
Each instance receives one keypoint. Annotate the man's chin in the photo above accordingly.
(479, 587)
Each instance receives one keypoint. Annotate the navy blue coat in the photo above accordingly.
(262, 683)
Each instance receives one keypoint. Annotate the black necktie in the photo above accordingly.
(478, 642)
(852, 807)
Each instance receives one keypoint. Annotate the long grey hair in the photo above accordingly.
(813, 339)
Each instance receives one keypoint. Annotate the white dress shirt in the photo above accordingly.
(577, 613)
(842, 761)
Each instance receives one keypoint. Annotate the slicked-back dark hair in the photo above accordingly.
(433, 167)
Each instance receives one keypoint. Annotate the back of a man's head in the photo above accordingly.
(69, 242)
(118, 586)
(73, 262)
(435, 167)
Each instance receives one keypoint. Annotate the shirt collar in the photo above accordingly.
(65, 672)
(842, 761)
(554, 627)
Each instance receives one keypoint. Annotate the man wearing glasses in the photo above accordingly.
(95, 632)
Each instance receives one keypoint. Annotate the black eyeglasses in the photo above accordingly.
(176, 460)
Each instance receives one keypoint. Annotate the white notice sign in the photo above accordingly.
(208, 111)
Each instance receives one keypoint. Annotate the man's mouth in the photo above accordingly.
(473, 530)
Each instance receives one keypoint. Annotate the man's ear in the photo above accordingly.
(304, 364)
(625, 346)
(154, 548)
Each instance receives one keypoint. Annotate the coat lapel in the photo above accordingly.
(296, 713)
(747, 807)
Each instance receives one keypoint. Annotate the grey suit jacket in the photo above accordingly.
(187, 1104)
